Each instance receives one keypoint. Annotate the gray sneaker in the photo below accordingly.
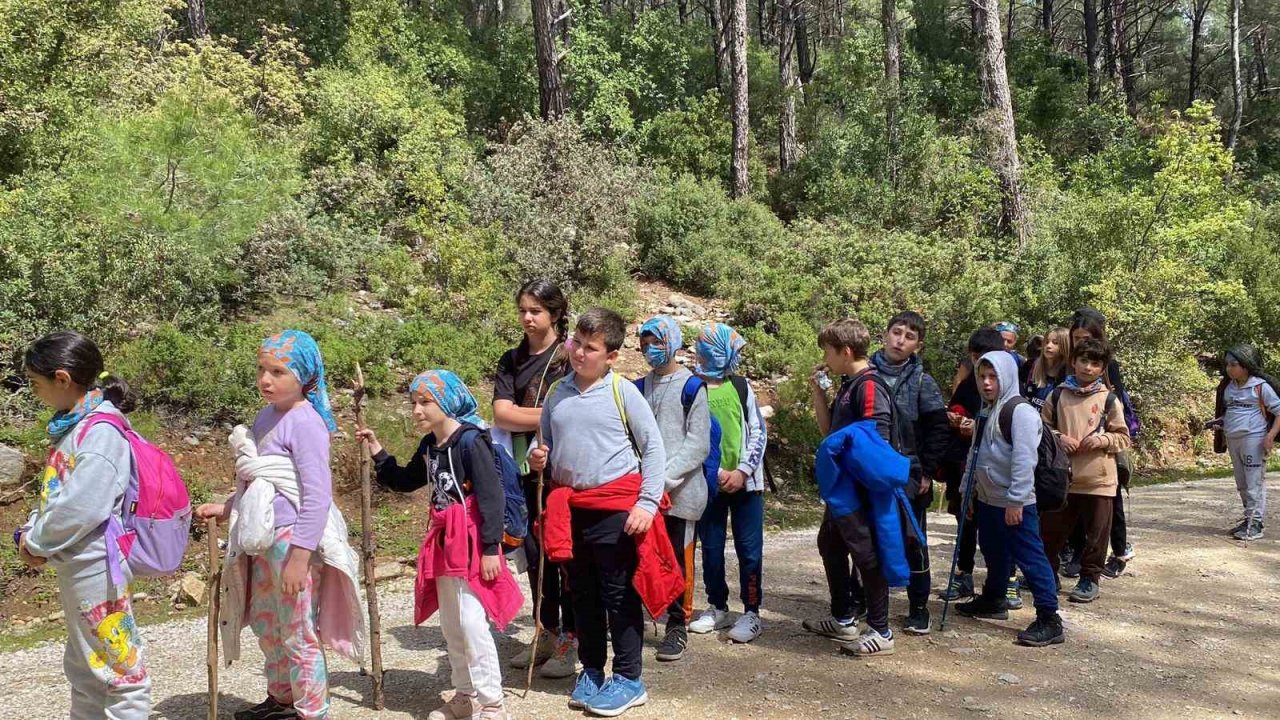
(1086, 591)
(546, 648)
(564, 663)
(1251, 532)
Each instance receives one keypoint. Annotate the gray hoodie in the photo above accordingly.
(686, 438)
(1005, 472)
(1244, 411)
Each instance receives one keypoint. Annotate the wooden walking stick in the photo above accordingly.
(367, 547)
(215, 597)
(537, 590)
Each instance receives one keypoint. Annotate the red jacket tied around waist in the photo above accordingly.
(452, 549)
(658, 579)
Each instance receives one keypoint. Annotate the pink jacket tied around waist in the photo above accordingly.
(451, 548)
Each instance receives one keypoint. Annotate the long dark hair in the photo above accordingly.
(550, 297)
(80, 358)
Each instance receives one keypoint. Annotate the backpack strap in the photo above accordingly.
(689, 393)
(1056, 397)
(740, 384)
(622, 413)
(1005, 420)
(114, 421)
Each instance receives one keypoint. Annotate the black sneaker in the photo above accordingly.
(1114, 567)
(1071, 568)
(268, 709)
(1044, 631)
(917, 621)
(961, 586)
(1239, 528)
(981, 607)
(1086, 591)
(674, 644)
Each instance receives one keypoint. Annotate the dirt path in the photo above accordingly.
(1188, 633)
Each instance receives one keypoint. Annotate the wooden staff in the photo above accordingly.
(215, 597)
(537, 590)
(367, 547)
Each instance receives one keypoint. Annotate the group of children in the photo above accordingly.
(621, 480)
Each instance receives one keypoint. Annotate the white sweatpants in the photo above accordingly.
(105, 657)
(1250, 465)
(473, 656)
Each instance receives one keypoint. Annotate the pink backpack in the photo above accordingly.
(153, 531)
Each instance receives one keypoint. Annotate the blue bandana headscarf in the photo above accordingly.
(719, 350)
(1006, 326)
(670, 339)
(450, 393)
(64, 420)
(299, 352)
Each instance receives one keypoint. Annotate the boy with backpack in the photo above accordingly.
(1089, 423)
(923, 437)
(679, 402)
(1249, 415)
(1005, 510)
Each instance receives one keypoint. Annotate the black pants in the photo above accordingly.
(1119, 530)
(605, 601)
(850, 538)
(967, 553)
(682, 607)
(921, 583)
(556, 612)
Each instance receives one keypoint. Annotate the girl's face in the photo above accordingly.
(1079, 335)
(428, 417)
(534, 318)
(1051, 351)
(59, 391)
(1236, 371)
(276, 382)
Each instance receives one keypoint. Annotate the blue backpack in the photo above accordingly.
(515, 514)
(711, 465)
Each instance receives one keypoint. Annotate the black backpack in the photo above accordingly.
(1053, 466)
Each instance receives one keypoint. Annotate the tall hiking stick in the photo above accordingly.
(965, 499)
(215, 603)
(537, 590)
(367, 548)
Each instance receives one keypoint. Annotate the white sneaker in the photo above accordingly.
(546, 650)
(709, 620)
(833, 628)
(746, 629)
(871, 643)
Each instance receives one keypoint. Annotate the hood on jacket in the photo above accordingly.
(1007, 371)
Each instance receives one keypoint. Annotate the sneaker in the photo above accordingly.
(981, 607)
(588, 685)
(833, 628)
(269, 709)
(1086, 591)
(1044, 631)
(458, 706)
(1253, 531)
(618, 696)
(564, 663)
(546, 648)
(1071, 568)
(1114, 567)
(1013, 595)
(917, 621)
(961, 586)
(871, 643)
(709, 620)
(1239, 528)
(493, 712)
(747, 628)
(1128, 553)
(674, 644)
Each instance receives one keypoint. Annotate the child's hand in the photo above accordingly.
(31, 561)
(296, 568)
(1070, 444)
(1013, 516)
(211, 510)
(813, 379)
(1093, 442)
(639, 521)
(367, 435)
(1268, 444)
(538, 459)
(966, 427)
(732, 481)
(490, 566)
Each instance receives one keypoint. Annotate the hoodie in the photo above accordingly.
(1244, 405)
(1005, 471)
(686, 439)
(1080, 412)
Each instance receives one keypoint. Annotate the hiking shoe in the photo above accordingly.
(564, 663)
(546, 648)
(981, 607)
(709, 620)
(917, 621)
(1114, 567)
(269, 709)
(587, 687)
(1128, 553)
(1086, 591)
(961, 586)
(493, 712)
(1239, 528)
(617, 696)
(1251, 532)
(871, 643)
(747, 628)
(833, 628)
(674, 644)
(458, 706)
(1013, 595)
(1044, 631)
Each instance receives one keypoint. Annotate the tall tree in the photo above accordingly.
(998, 118)
(1199, 9)
(788, 151)
(892, 78)
(1092, 56)
(195, 16)
(551, 94)
(717, 17)
(1046, 19)
(805, 56)
(1237, 84)
(741, 185)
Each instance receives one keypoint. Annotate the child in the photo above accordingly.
(686, 440)
(603, 448)
(1009, 333)
(1049, 369)
(1247, 399)
(461, 569)
(82, 487)
(275, 590)
(740, 498)
(844, 346)
(924, 438)
(1005, 504)
(1090, 425)
(519, 389)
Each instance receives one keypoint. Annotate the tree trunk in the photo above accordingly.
(1111, 43)
(1198, 10)
(788, 152)
(1124, 45)
(516, 12)
(1008, 38)
(719, 32)
(741, 185)
(892, 80)
(1092, 57)
(760, 20)
(683, 7)
(998, 122)
(551, 93)
(1261, 77)
(1237, 86)
(195, 16)
(805, 58)
(1046, 19)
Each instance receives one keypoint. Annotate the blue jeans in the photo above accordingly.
(1003, 545)
(747, 512)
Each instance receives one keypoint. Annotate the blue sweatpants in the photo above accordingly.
(1003, 545)
(746, 512)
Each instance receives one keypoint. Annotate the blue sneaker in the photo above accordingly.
(587, 687)
(618, 696)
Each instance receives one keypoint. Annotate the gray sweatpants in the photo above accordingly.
(1250, 465)
(105, 658)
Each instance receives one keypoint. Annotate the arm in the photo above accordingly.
(757, 434)
(405, 479)
(695, 444)
(653, 460)
(880, 408)
(1116, 435)
(486, 485)
(1026, 443)
(309, 450)
(507, 413)
(86, 497)
(818, 398)
(1272, 403)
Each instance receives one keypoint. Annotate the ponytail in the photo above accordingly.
(81, 359)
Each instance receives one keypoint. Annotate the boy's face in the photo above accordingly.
(1236, 371)
(838, 360)
(900, 343)
(988, 382)
(1010, 339)
(1087, 371)
(590, 358)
